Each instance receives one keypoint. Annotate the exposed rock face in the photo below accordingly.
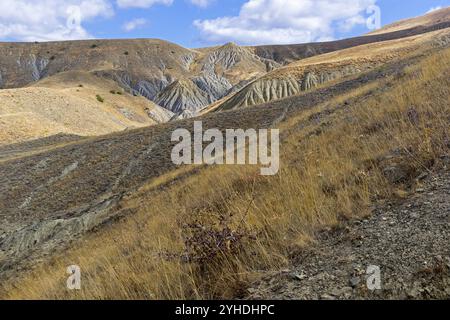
(285, 84)
(150, 88)
(215, 86)
(187, 60)
(220, 68)
(182, 95)
(232, 61)
(32, 68)
(212, 74)
(263, 90)
(148, 68)
(228, 56)
(217, 71)
(160, 115)
(307, 74)
(143, 67)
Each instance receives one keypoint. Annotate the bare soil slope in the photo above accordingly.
(73, 103)
(141, 67)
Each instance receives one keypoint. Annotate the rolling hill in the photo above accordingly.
(86, 175)
(76, 103)
(70, 79)
(309, 73)
(436, 17)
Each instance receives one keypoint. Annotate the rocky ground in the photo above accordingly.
(408, 240)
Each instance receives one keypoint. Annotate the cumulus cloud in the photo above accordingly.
(141, 3)
(434, 9)
(286, 21)
(134, 24)
(201, 3)
(46, 20)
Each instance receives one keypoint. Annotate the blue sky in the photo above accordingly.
(196, 23)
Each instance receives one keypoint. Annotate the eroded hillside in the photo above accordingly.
(77, 103)
(363, 130)
(141, 67)
(321, 70)
(341, 145)
(151, 67)
(106, 91)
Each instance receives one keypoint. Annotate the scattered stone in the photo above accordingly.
(299, 276)
(414, 215)
(354, 281)
(416, 240)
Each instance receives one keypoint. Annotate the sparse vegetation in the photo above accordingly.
(85, 115)
(208, 234)
(100, 99)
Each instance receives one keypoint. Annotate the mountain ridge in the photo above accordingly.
(190, 82)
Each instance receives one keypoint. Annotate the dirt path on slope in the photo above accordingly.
(409, 241)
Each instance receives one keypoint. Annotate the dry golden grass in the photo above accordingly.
(370, 53)
(331, 171)
(434, 17)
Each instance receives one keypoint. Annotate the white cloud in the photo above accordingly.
(285, 21)
(201, 3)
(434, 9)
(46, 20)
(141, 3)
(134, 24)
